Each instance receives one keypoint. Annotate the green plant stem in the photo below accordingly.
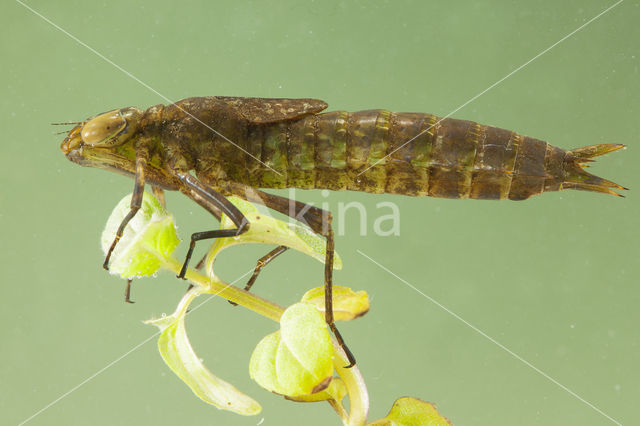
(218, 287)
(339, 409)
(356, 389)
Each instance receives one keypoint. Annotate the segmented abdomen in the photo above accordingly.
(403, 153)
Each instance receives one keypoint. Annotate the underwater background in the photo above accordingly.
(532, 309)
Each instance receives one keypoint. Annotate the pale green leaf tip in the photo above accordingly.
(177, 353)
(347, 304)
(162, 323)
(408, 411)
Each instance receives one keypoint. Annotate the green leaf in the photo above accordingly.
(298, 359)
(347, 304)
(409, 411)
(148, 239)
(264, 229)
(177, 353)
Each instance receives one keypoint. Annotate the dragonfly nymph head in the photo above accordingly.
(90, 141)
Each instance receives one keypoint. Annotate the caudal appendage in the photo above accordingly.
(577, 178)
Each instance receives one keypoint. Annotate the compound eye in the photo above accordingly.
(99, 130)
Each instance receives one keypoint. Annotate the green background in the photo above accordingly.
(554, 279)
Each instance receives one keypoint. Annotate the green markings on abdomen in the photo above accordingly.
(272, 169)
(331, 151)
(301, 153)
(410, 146)
(367, 142)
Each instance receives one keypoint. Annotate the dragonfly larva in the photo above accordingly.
(233, 146)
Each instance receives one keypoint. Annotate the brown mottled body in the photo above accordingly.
(373, 151)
